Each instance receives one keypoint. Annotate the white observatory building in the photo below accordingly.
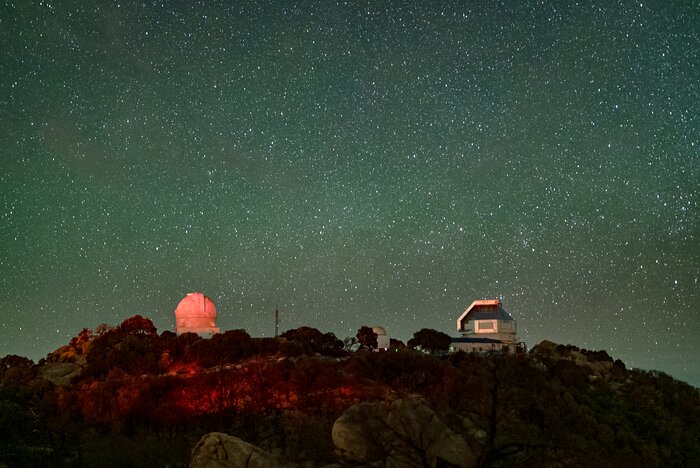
(383, 339)
(196, 314)
(485, 326)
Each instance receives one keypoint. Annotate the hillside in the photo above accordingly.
(131, 397)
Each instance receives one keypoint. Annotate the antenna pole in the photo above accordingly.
(277, 322)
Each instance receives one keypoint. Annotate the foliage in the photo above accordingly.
(313, 341)
(137, 325)
(103, 328)
(351, 343)
(366, 337)
(145, 399)
(430, 340)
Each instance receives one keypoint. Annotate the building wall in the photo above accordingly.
(383, 341)
(206, 332)
(481, 347)
(496, 329)
(202, 326)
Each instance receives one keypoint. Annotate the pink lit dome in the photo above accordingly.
(196, 314)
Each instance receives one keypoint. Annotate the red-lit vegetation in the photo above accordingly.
(144, 399)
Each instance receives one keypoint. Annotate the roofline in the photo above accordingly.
(479, 302)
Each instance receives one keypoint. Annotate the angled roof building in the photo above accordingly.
(485, 326)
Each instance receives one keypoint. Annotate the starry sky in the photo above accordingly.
(354, 163)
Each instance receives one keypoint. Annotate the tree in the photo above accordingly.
(133, 346)
(349, 343)
(185, 347)
(313, 341)
(366, 337)
(308, 337)
(137, 325)
(103, 328)
(331, 345)
(233, 345)
(396, 344)
(430, 340)
(16, 368)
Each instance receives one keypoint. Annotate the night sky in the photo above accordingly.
(354, 163)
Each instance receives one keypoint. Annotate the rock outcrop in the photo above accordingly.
(597, 364)
(60, 373)
(405, 433)
(219, 450)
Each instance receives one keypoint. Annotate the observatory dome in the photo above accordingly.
(195, 304)
(196, 314)
(383, 339)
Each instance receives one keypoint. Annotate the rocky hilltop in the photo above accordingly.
(130, 397)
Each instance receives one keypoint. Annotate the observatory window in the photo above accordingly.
(485, 325)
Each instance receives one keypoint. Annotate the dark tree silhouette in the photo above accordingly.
(396, 344)
(103, 328)
(233, 345)
(137, 325)
(133, 346)
(313, 341)
(349, 343)
(430, 340)
(366, 337)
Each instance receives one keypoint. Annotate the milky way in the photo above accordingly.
(354, 163)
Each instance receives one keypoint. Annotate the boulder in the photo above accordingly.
(545, 348)
(60, 373)
(59, 355)
(597, 364)
(358, 433)
(405, 433)
(219, 450)
(69, 354)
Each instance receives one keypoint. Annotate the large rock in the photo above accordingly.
(70, 354)
(597, 364)
(403, 433)
(60, 373)
(544, 348)
(219, 450)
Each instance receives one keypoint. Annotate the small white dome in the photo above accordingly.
(379, 330)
